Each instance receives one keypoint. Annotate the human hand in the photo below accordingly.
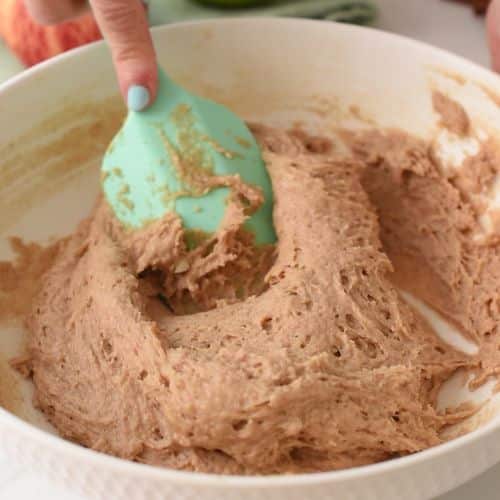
(124, 25)
(493, 29)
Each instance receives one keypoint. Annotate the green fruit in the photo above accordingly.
(234, 3)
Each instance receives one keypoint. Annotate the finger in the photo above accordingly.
(51, 12)
(124, 24)
(493, 28)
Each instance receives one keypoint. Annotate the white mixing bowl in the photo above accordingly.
(55, 121)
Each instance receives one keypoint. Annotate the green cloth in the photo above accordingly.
(350, 11)
(9, 65)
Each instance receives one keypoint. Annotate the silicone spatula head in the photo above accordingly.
(147, 168)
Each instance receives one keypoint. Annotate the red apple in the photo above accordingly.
(33, 43)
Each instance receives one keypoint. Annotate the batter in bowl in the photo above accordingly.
(226, 358)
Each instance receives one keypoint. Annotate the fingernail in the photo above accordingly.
(137, 98)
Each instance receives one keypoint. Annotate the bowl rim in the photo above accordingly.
(224, 481)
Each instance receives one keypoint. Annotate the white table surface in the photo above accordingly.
(439, 22)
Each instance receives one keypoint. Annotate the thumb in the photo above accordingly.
(493, 28)
(125, 26)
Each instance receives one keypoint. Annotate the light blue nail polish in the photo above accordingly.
(137, 98)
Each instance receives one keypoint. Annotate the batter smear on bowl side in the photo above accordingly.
(211, 354)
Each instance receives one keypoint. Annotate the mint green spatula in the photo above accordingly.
(152, 164)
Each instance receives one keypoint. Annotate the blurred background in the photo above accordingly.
(25, 43)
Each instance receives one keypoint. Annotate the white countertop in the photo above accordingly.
(438, 22)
